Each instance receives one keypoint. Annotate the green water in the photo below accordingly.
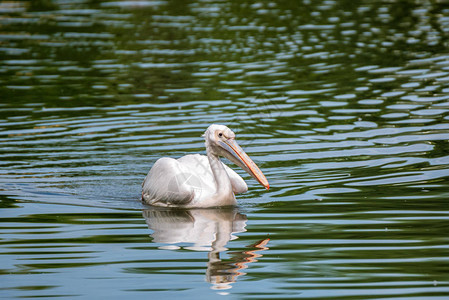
(344, 106)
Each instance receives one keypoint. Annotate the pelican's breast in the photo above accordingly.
(200, 166)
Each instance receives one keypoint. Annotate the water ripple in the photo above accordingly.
(344, 108)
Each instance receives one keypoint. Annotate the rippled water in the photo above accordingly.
(343, 105)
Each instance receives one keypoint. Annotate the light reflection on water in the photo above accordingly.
(344, 108)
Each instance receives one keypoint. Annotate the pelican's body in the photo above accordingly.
(198, 180)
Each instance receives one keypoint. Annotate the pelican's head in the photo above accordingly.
(220, 140)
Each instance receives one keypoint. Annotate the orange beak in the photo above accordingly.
(240, 158)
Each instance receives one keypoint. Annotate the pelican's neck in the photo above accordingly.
(222, 181)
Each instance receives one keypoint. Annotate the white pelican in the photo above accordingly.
(198, 180)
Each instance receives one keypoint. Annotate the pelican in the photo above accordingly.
(201, 181)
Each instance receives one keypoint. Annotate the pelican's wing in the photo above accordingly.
(165, 184)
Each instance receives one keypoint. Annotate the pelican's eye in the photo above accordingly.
(220, 134)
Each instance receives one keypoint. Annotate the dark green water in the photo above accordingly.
(343, 104)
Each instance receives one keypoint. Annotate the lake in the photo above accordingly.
(343, 105)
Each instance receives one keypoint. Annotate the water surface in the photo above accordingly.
(343, 105)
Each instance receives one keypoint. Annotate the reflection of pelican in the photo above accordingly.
(198, 180)
(222, 273)
(206, 230)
